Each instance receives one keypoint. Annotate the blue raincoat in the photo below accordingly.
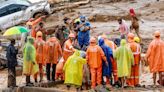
(107, 70)
(84, 37)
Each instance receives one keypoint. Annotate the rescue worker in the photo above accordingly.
(133, 80)
(40, 54)
(73, 70)
(43, 30)
(123, 28)
(11, 56)
(155, 56)
(107, 70)
(68, 47)
(84, 33)
(113, 46)
(30, 67)
(32, 23)
(125, 60)
(53, 53)
(94, 56)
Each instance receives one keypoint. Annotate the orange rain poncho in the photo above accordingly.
(109, 43)
(33, 23)
(68, 48)
(136, 49)
(53, 50)
(40, 48)
(94, 56)
(155, 54)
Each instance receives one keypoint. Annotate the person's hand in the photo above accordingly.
(43, 17)
(106, 63)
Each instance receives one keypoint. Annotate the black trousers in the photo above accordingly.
(48, 71)
(11, 77)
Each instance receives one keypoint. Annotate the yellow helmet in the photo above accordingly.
(137, 39)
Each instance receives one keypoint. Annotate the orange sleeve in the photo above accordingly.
(149, 51)
(36, 21)
(102, 54)
(59, 50)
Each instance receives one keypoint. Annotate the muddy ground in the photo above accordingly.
(103, 17)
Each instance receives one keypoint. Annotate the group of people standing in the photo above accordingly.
(103, 61)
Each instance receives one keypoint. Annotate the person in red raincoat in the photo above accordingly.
(155, 56)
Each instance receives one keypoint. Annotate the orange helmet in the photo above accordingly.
(131, 35)
(92, 40)
(157, 34)
(72, 35)
(39, 34)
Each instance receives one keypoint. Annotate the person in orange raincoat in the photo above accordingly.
(59, 70)
(133, 80)
(94, 56)
(155, 56)
(53, 53)
(40, 53)
(113, 46)
(32, 23)
(68, 47)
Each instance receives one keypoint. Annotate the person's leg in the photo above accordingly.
(160, 78)
(36, 77)
(130, 81)
(93, 78)
(11, 79)
(154, 78)
(41, 72)
(48, 66)
(136, 74)
(122, 81)
(28, 80)
(14, 77)
(99, 75)
(53, 72)
(138, 34)
(114, 68)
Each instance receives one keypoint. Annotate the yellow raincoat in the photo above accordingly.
(30, 66)
(73, 69)
(125, 59)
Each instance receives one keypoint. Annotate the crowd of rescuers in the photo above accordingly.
(95, 62)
